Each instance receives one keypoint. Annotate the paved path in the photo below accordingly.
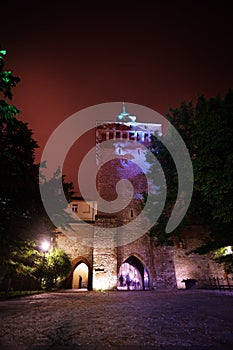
(120, 320)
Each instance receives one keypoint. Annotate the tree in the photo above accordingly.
(54, 201)
(18, 173)
(207, 129)
(23, 217)
(161, 153)
(56, 266)
(224, 256)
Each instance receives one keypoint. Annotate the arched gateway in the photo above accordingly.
(82, 275)
(133, 275)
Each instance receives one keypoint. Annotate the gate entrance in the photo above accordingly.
(133, 275)
(80, 276)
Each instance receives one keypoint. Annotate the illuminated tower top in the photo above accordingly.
(125, 117)
(121, 149)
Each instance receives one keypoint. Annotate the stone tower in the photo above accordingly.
(116, 252)
(121, 159)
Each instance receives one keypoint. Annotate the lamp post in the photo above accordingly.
(45, 245)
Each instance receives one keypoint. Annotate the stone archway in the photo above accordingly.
(133, 275)
(82, 275)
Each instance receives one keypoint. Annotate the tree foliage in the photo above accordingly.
(57, 265)
(161, 153)
(207, 129)
(224, 256)
(23, 218)
(18, 173)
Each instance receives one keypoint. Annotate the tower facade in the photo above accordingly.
(121, 148)
(119, 257)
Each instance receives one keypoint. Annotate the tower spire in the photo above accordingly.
(123, 108)
(124, 116)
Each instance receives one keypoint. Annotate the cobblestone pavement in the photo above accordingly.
(122, 320)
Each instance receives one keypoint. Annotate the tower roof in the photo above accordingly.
(124, 116)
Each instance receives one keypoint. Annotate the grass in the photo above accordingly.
(19, 293)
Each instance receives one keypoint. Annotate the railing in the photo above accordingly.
(216, 283)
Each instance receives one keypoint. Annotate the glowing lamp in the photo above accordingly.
(229, 250)
(45, 245)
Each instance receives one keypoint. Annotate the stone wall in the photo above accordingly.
(164, 268)
(73, 248)
(194, 266)
(104, 254)
(167, 266)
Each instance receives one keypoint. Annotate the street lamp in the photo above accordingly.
(45, 245)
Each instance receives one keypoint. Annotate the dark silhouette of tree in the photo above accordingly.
(18, 173)
(23, 218)
(207, 129)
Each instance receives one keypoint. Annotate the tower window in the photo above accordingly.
(131, 213)
(75, 208)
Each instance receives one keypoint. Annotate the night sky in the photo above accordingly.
(74, 54)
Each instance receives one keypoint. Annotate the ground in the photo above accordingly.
(179, 319)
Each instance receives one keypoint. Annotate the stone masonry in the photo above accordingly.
(102, 252)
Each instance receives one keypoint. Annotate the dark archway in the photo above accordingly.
(133, 275)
